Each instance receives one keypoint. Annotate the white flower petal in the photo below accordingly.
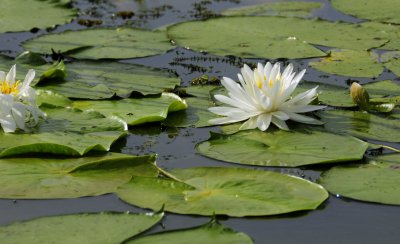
(279, 123)
(19, 113)
(11, 74)
(263, 121)
(28, 79)
(8, 124)
(280, 115)
(224, 120)
(304, 119)
(2, 76)
(249, 124)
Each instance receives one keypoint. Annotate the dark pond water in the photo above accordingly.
(338, 220)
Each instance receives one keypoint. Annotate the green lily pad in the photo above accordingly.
(361, 124)
(388, 31)
(391, 61)
(66, 132)
(289, 9)
(211, 232)
(23, 15)
(382, 11)
(230, 191)
(51, 177)
(387, 158)
(375, 182)
(197, 114)
(118, 43)
(350, 63)
(136, 111)
(272, 37)
(282, 148)
(79, 228)
(51, 99)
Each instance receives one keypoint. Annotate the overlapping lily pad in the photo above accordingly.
(79, 228)
(23, 15)
(392, 61)
(230, 191)
(374, 182)
(197, 114)
(361, 124)
(117, 43)
(66, 132)
(383, 11)
(136, 111)
(272, 37)
(52, 177)
(211, 232)
(350, 63)
(290, 9)
(281, 148)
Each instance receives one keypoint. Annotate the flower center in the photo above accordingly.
(7, 88)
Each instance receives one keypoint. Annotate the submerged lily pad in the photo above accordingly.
(272, 37)
(23, 15)
(197, 114)
(290, 9)
(383, 11)
(282, 148)
(211, 232)
(66, 132)
(350, 63)
(361, 124)
(374, 182)
(79, 228)
(136, 111)
(51, 177)
(118, 43)
(231, 191)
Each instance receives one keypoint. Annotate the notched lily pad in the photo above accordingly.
(212, 232)
(79, 228)
(374, 182)
(350, 63)
(136, 111)
(282, 148)
(99, 43)
(65, 131)
(230, 191)
(55, 177)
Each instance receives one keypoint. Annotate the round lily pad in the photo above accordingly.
(118, 43)
(374, 182)
(282, 148)
(212, 232)
(383, 11)
(231, 191)
(350, 63)
(65, 131)
(361, 124)
(79, 228)
(23, 15)
(52, 177)
(272, 37)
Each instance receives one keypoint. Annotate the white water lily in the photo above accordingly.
(264, 97)
(18, 109)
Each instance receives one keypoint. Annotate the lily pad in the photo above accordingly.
(100, 80)
(350, 63)
(66, 132)
(197, 114)
(382, 11)
(375, 182)
(136, 111)
(387, 158)
(391, 61)
(54, 177)
(51, 99)
(361, 124)
(79, 228)
(272, 37)
(230, 191)
(328, 94)
(118, 43)
(211, 232)
(289, 9)
(23, 15)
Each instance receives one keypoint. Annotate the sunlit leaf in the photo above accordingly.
(230, 191)
(79, 228)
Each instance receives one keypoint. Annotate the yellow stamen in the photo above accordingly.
(7, 88)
